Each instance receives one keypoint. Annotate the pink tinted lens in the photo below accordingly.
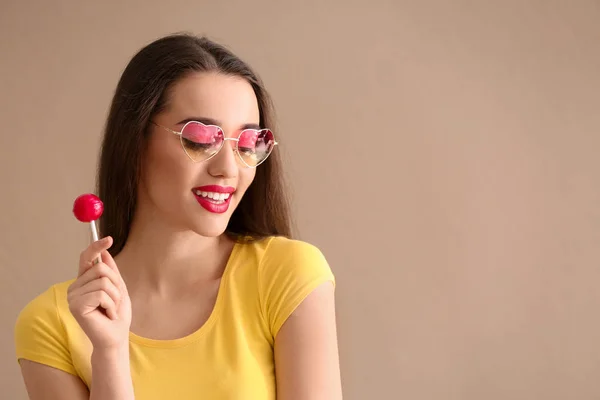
(254, 146)
(201, 141)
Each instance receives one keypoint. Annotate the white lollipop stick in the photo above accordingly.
(95, 238)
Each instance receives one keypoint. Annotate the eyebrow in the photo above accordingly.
(211, 121)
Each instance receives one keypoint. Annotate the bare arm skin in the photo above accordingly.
(111, 379)
(306, 350)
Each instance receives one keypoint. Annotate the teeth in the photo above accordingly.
(213, 195)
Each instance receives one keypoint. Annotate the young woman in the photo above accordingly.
(200, 292)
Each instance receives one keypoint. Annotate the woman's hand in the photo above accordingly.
(98, 299)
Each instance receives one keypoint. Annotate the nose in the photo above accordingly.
(224, 163)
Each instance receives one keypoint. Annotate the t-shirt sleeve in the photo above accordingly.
(40, 335)
(289, 272)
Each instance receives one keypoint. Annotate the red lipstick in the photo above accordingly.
(215, 189)
(214, 198)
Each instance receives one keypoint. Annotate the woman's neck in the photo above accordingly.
(161, 258)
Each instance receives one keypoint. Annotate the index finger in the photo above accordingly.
(109, 260)
(91, 253)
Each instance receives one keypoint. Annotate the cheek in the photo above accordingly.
(246, 178)
(165, 172)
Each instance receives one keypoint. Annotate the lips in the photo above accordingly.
(215, 189)
(214, 198)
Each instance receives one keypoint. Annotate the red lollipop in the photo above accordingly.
(88, 208)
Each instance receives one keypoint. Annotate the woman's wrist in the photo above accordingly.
(118, 351)
(111, 373)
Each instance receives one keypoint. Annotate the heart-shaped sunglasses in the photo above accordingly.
(201, 142)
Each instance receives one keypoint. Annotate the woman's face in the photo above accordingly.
(199, 196)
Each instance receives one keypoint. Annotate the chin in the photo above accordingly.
(213, 225)
(210, 231)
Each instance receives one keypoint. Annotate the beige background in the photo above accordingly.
(443, 156)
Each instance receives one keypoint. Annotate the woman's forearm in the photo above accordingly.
(111, 375)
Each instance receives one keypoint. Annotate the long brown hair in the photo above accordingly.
(141, 93)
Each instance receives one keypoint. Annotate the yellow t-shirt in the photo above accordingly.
(229, 357)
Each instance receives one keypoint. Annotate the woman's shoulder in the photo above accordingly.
(45, 306)
(282, 248)
(283, 261)
(41, 330)
(288, 270)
